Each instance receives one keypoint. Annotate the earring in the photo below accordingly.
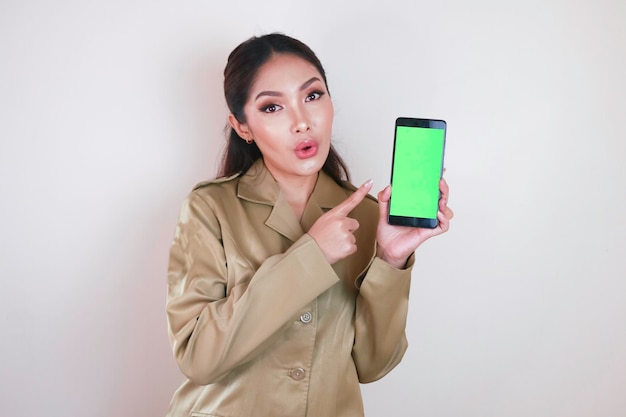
(249, 141)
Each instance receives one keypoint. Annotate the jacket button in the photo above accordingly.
(297, 374)
(306, 317)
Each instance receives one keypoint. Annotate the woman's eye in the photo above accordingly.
(270, 108)
(314, 96)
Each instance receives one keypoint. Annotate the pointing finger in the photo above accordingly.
(351, 202)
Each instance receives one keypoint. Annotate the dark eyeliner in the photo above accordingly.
(318, 92)
(266, 107)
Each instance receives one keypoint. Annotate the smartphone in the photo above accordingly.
(417, 166)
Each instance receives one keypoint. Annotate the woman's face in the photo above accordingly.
(289, 114)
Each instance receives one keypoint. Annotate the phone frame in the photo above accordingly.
(424, 123)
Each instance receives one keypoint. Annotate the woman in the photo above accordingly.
(287, 287)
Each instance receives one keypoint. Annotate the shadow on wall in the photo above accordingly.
(149, 369)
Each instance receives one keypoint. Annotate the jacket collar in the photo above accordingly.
(257, 185)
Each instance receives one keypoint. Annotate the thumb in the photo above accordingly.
(383, 203)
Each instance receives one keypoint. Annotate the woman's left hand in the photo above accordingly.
(397, 243)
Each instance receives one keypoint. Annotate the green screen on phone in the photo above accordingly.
(417, 164)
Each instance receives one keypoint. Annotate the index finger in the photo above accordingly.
(351, 202)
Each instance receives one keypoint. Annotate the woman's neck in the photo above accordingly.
(297, 191)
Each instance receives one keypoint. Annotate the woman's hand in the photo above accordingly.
(333, 231)
(397, 243)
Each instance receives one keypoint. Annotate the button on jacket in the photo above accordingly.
(260, 323)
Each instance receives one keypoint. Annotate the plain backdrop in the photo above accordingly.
(110, 112)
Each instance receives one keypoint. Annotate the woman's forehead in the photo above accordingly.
(284, 71)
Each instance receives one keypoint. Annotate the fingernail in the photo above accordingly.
(368, 183)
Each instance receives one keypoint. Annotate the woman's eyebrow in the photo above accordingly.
(268, 93)
(308, 83)
(279, 94)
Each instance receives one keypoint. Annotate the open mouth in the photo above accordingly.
(306, 149)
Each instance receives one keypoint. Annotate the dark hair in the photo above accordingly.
(241, 69)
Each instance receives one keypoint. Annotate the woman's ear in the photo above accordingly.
(241, 128)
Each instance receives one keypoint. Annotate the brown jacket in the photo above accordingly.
(260, 323)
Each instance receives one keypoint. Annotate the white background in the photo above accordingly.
(110, 111)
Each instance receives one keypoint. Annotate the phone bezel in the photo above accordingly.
(415, 122)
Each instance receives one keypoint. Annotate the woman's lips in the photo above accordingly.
(306, 149)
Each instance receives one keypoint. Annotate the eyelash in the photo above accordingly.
(312, 96)
(318, 95)
(266, 109)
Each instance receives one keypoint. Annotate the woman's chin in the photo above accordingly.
(311, 166)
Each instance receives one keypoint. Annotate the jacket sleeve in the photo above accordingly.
(380, 319)
(212, 332)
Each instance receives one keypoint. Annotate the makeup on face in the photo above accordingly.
(289, 115)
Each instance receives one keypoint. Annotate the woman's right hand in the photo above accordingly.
(333, 231)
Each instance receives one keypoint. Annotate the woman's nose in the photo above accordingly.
(301, 122)
(302, 126)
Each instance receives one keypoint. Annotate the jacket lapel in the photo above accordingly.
(257, 185)
(326, 195)
(283, 220)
